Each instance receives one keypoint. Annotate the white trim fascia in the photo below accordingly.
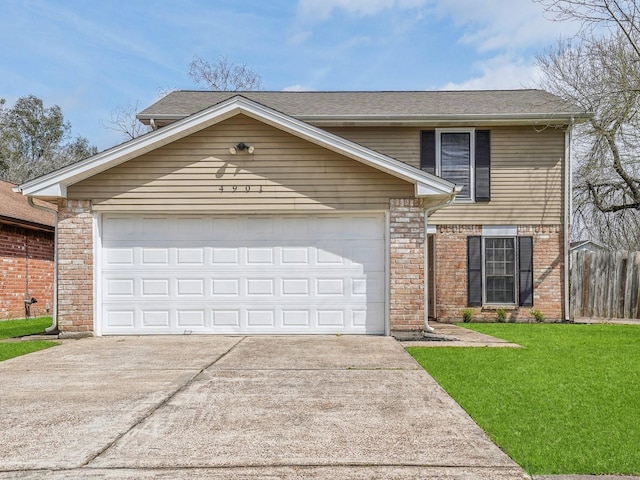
(568, 220)
(561, 118)
(97, 274)
(56, 182)
(387, 279)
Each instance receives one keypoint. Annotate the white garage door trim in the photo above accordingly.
(347, 303)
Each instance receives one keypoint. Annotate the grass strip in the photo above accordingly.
(21, 328)
(568, 403)
(15, 349)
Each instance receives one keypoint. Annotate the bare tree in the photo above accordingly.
(223, 75)
(123, 120)
(617, 15)
(599, 70)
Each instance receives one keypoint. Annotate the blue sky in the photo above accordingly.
(91, 57)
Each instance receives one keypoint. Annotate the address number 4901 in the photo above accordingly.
(240, 188)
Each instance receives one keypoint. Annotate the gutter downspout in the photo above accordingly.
(568, 212)
(428, 211)
(54, 325)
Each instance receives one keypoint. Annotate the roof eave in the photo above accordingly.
(19, 222)
(562, 118)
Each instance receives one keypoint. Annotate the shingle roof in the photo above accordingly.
(15, 208)
(390, 105)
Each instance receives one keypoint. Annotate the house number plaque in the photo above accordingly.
(240, 188)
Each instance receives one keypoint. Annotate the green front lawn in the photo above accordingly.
(569, 402)
(21, 328)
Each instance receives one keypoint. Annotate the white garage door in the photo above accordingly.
(242, 274)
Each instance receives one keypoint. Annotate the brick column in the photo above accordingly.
(548, 269)
(406, 281)
(75, 267)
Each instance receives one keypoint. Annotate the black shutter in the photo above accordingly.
(525, 269)
(428, 151)
(483, 165)
(474, 271)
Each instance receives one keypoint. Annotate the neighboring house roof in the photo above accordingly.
(15, 210)
(55, 184)
(319, 108)
(587, 245)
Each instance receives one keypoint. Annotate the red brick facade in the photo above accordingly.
(406, 270)
(26, 256)
(451, 273)
(75, 266)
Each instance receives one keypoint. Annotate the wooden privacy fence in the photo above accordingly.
(605, 284)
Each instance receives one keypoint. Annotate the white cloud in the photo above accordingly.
(298, 88)
(318, 10)
(501, 73)
(502, 24)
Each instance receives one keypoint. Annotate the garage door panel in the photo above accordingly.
(259, 318)
(119, 256)
(226, 318)
(225, 287)
(235, 274)
(120, 319)
(190, 318)
(225, 256)
(295, 287)
(190, 287)
(190, 256)
(157, 287)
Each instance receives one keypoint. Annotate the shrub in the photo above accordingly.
(537, 314)
(501, 315)
(467, 315)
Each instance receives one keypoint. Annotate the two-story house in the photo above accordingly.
(318, 212)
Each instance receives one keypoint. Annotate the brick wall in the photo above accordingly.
(451, 270)
(406, 244)
(451, 273)
(75, 266)
(26, 270)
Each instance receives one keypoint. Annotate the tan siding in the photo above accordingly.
(401, 143)
(284, 173)
(526, 172)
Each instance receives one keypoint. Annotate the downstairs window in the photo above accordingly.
(500, 270)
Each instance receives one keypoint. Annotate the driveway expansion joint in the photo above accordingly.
(160, 404)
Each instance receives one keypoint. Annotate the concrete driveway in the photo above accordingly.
(235, 407)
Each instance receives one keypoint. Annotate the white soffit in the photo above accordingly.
(55, 183)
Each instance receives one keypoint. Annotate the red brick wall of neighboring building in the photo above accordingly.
(26, 270)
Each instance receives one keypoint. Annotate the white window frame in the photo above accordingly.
(516, 257)
(472, 159)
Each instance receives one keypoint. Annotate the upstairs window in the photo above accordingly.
(454, 160)
(461, 156)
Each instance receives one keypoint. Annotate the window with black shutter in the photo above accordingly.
(525, 269)
(474, 270)
(461, 156)
(500, 271)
